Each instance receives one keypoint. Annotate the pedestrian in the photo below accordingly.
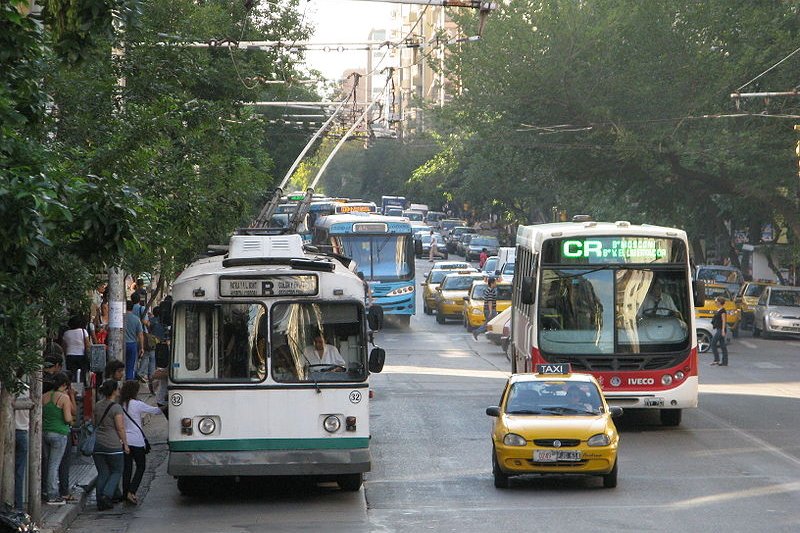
(52, 366)
(64, 488)
(482, 258)
(57, 416)
(137, 442)
(76, 343)
(434, 250)
(134, 340)
(489, 306)
(720, 324)
(114, 370)
(111, 445)
(22, 418)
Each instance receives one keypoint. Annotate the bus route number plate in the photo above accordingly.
(268, 286)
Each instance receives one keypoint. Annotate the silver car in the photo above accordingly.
(777, 312)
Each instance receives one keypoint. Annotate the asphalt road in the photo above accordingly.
(732, 465)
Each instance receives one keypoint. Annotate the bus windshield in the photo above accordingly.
(379, 257)
(317, 342)
(607, 310)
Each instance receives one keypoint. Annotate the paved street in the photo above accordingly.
(733, 465)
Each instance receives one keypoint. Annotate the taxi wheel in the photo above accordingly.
(350, 482)
(500, 477)
(440, 319)
(610, 479)
(671, 417)
(466, 324)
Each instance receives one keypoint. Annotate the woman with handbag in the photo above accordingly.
(111, 444)
(76, 342)
(139, 446)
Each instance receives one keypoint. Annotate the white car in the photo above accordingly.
(705, 332)
(494, 329)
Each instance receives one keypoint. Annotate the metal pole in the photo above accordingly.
(35, 450)
(116, 310)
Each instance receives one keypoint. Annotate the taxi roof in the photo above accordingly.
(574, 376)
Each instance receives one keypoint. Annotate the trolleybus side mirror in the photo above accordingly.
(615, 411)
(699, 290)
(376, 359)
(528, 288)
(375, 317)
(493, 411)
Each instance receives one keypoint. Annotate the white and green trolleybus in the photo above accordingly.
(249, 393)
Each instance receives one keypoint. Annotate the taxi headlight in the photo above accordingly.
(775, 314)
(666, 379)
(601, 439)
(332, 424)
(512, 439)
(207, 426)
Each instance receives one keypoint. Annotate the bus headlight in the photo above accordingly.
(332, 424)
(601, 439)
(408, 289)
(512, 439)
(666, 379)
(679, 375)
(207, 426)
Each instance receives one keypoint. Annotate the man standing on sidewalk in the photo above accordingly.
(134, 340)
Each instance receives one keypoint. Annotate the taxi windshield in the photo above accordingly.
(437, 276)
(457, 283)
(503, 291)
(553, 398)
(714, 292)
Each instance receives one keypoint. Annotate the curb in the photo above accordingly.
(59, 520)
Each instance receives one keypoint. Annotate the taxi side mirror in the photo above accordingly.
(699, 290)
(377, 357)
(615, 411)
(493, 411)
(466, 298)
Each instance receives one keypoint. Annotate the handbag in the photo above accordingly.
(147, 447)
(89, 432)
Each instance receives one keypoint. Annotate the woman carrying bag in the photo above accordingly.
(134, 409)
(76, 343)
(111, 444)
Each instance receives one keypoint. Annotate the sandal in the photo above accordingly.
(70, 498)
(131, 498)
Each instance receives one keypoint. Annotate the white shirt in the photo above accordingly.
(136, 409)
(74, 341)
(330, 356)
(434, 240)
(22, 417)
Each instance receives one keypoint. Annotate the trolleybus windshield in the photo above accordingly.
(379, 257)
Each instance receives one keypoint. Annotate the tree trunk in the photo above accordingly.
(35, 450)
(7, 437)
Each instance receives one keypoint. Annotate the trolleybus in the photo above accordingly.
(383, 249)
(612, 299)
(269, 372)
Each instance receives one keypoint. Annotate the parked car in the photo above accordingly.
(747, 299)
(709, 307)
(478, 244)
(777, 312)
(705, 332)
(729, 276)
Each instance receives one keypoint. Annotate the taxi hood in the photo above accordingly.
(555, 426)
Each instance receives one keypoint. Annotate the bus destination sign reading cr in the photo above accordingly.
(267, 286)
(604, 250)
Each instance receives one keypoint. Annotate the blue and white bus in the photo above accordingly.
(383, 249)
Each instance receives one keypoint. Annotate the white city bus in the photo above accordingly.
(246, 395)
(614, 300)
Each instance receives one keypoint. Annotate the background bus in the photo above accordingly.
(614, 300)
(396, 202)
(246, 398)
(383, 249)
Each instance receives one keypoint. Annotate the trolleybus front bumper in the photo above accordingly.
(269, 462)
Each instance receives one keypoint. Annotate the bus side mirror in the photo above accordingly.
(699, 290)
(376, 359)
(528, 288)
(375, 317)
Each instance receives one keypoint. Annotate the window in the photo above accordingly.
(785, 298)
(458, 283)
(314, 342)
(553, 398)
(219, 342)
(379, 257)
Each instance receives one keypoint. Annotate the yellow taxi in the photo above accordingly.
(434, 279)
(450, 295)
(748, 298)
(713, 291)
(473, 304)
(554, 422)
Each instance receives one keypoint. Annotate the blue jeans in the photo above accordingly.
(20, 466)
(54, 446)
(63, 470)
(131, 353)
(719, 339)
(147, 364)
(487, 316)
(109, 472)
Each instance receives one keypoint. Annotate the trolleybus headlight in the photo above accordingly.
(666, 379)
(332, 424)
(512, 439)
(679, 375)
(601, 439)
(207, 426)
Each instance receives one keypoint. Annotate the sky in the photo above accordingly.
(343, 21)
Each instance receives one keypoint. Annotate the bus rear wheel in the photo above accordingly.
(671, 417)
(350, 482)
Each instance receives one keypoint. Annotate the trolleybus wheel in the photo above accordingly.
(610, 479)
(500, 477)
(671, 417)
(192, 485)
(350, 482)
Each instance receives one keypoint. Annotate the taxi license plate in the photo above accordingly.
(654, 402)
(553, 456)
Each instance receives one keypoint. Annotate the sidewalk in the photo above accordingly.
(83, 476)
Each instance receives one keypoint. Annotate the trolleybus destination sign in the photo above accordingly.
(305, 285)
(618, 249)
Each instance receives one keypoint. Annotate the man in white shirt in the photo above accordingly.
(323, 354)
(434, 251)
(657, 302)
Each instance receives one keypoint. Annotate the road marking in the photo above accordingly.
(749, 344)
(432, 371)
(766, 365)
